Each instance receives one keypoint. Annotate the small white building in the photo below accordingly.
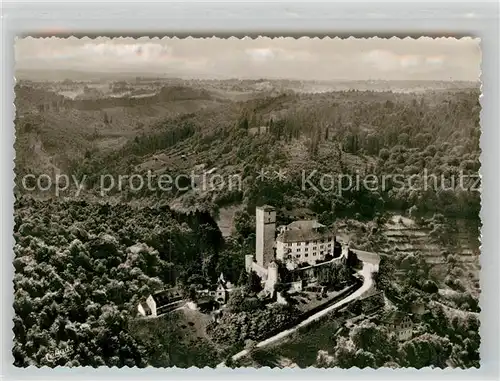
(401, 324)
(272, 277)
(222, 290)
(160, 302)
(144, 309)
(218, 292)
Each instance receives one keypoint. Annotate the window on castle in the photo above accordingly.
(314, 253)
(297, 256)
(314, 247)
(307, 242)
(306, 255)
(298, 249)
(329, 245)
(306, 249)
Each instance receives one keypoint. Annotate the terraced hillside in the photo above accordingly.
(403, 235)
(449, 246)
(450, 260)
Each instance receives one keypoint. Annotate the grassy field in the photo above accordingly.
(178, 338)
(306, 300)
(226, 219)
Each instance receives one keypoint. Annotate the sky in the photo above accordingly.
(304, 58)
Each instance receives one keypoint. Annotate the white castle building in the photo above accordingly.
(304, 241)
(301, 242)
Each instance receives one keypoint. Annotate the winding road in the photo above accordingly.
(365, 272)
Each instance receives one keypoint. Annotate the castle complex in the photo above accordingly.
(301, 245)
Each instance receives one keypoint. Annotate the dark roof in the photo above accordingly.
(204, 300)
(304, 230)
(146, 308)
(267, 208)
(395, 317)
(305, 225)
(163, 297)
(221, 284)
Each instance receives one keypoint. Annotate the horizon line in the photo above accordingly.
(142, 75)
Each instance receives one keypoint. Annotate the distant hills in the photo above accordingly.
(76, 75)
(282, 84)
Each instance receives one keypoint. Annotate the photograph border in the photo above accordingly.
(275, 19)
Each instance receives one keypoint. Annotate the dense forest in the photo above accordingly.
(81, 268)
(371, 345)
(82, 265)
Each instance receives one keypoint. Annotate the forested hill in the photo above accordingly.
(348, 132)
(83, 262)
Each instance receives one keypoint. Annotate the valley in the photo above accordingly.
(269, 135)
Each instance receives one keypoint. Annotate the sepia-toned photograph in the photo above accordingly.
(247, 202)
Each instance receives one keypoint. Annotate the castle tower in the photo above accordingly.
(248, 262)
(265, 221)
(272, 276)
